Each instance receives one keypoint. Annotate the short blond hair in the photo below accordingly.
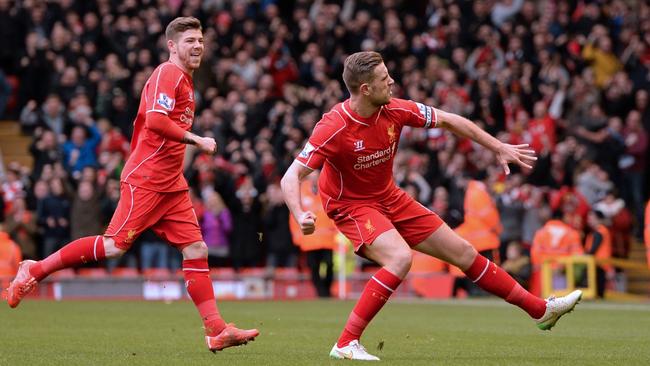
(358, 69)
(180, 25)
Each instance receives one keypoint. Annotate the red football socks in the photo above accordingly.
(495, 280)
(199, 287)
(81, 251)
(373, 298)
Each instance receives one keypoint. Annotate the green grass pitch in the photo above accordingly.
(474, 332)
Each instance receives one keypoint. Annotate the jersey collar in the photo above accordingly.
(357, 118)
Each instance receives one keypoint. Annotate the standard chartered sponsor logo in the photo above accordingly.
(374, 159)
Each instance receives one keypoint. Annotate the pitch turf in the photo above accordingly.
(301, 333)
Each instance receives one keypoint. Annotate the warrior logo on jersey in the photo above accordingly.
(309, 148)
(391, 133)
(358, 145)
(165, 101)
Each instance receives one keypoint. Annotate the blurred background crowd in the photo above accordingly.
(570, 78)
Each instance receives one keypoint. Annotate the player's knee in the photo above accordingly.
(467, 255)
(110, 250)
(401, 261)
(195, 251)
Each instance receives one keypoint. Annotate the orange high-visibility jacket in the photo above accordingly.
(604, 251)
(555, 239)
(10, 256)
(324, 237)
(481, 225)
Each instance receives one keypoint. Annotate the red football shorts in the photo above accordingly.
(169, 214)
(363, 222)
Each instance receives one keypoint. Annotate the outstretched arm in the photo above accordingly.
(505, 153)
(290, 184)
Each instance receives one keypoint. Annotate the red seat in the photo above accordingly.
(125, 272)
(157, 273)
(222, 273)
(93, 272)
(290, 274)
(253, 272)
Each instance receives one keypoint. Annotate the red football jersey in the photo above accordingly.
(356, 154)
(156, 163)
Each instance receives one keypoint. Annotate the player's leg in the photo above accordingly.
(391, 252)
(81, 251)
(199, 286)
(374, 237)
(445, 244)
(135, 211)
(179, 226)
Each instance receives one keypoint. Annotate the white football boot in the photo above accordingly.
(556, 307)
(353, 351)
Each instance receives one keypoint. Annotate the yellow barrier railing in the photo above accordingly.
(570, 262)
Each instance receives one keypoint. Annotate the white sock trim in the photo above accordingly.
(95, 248)
(196, 269)
(487, 264)
(383, 284)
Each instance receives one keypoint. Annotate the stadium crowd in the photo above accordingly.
(570, 78)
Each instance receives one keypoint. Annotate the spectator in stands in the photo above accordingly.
(80, 151)
(51, 116)
(10, 257)
(53, 217)
(599, 244)
(85, 212)
(593, 183)
(216, 226)
(510, 204)
(614, 210)
(281, 252)
(45, 150)
(555, 239)
(246, 244)
(318, 246)
(516, 263)
(598, 51)
(633, 163)
(12, 186)
(481, 225)
(20, 224)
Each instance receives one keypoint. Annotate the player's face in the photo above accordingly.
(189, 48)
(380, 87)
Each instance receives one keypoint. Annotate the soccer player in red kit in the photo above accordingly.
(154, 193)
(354, 144)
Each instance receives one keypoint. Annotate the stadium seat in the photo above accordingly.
(157, 273)
(125, 272)
(288, 274)
(222, 273)
(253, 272)
(93, 272)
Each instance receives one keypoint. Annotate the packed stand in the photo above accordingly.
(570, 78)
